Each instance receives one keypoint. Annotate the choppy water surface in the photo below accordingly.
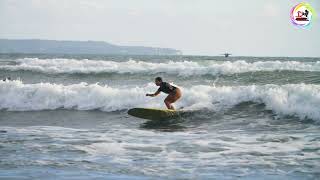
(65, 117)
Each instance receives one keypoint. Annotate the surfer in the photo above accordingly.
(174, 92)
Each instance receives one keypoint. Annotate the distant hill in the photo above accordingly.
(35, 46)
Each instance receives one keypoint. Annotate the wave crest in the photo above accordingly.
(182, 68)
(300, 100)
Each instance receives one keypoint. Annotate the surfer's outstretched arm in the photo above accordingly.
(153, 95)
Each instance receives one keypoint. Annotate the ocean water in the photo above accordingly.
(65, 117)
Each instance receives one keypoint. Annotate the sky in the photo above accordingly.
(196, 27)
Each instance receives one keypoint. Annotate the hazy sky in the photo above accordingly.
(199, 27)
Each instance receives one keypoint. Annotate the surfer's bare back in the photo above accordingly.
(174, 92)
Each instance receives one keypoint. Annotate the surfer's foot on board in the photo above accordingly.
(169, 105)
(171, 108)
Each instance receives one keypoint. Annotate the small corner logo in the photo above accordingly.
(302, 15)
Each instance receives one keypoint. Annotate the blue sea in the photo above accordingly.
(65, 117)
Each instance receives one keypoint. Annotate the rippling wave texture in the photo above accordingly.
(181, 68)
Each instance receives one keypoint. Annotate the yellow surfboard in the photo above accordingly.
(154, 114)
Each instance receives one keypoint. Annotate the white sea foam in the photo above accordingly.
(182, 68)
(197, 150)
(300, 100)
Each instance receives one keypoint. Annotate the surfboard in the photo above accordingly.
(154, 114)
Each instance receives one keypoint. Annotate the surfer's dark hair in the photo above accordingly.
(159, 79)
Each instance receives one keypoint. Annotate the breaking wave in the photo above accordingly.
(182, 68)
(301, 100)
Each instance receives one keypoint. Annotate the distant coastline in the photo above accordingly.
(38, 46)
